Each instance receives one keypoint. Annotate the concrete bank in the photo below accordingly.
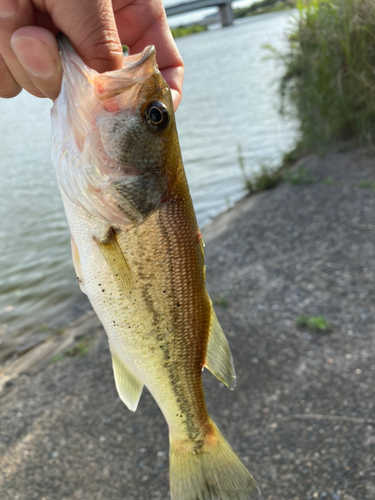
(303, 414)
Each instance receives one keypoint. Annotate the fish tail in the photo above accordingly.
(209, 470)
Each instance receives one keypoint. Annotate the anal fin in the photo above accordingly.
(116, 261)
(219, 358)
(128, 386)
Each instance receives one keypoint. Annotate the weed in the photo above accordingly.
(328, 181)
(44, 328)
(263, 7)
(267, 178)
(292, 156)
(220, 301)
(82, 348)
(187, 30)
(328, 80)
(57, 358)
(367, 185)
(300, 176)
(318, 323)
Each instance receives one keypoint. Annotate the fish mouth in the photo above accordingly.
(136, 69)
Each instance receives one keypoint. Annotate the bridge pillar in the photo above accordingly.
(226, 14)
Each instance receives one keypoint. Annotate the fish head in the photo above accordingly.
(114, 135)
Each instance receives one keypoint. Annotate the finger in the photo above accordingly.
(18, 13)
(37, 51)
(91, 28)
(145, 23)
(174, 77)
(8, 86)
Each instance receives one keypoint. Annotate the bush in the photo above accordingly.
(329, 77)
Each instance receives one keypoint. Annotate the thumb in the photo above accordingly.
(91, 28)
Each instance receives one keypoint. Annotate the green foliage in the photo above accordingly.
(300, 176)
(328, 181)
(318, 323)
(263, 7)
(44, 328)
(187, 30)
(56, 359)
(267, 178)
(329, 78)
(83, 347)
(220, 301)
(367, 185)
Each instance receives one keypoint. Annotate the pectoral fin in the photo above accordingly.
(128, 386)
(116, 261)
(219, 358)
(77, 264)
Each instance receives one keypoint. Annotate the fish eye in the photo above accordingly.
(156, 117)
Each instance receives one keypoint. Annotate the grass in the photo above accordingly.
(318, 323)
(328, 181)
(187, 30)
(82, 348)
(299, 176)
(267, 178)
(328, 81)
(367, 185)
(263, 7)
(220, 301)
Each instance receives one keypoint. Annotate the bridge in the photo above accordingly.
(225, 8)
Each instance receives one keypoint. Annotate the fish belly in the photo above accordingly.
(159, 331)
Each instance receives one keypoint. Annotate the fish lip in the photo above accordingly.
(147, 52)
(136, 69)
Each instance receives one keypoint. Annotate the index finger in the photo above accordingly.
(143, 22)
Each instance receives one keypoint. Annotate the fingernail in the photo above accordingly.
(8, 8)
(34, 56)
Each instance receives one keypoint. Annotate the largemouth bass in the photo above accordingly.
(138, 255)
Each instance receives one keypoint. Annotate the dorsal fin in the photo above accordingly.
(128, 386)
(219, 358)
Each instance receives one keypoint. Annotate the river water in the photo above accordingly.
(230, 100)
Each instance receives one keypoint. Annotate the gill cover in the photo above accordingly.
(110, 136)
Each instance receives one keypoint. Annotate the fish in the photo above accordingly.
(139, 256)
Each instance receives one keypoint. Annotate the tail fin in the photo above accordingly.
(212, 472)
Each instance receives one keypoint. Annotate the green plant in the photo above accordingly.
(367, 185)
(44, 328)
(57, 358)
(263, 7)
(328, 81)
(318, 323)
(267, 178)
(220, 301)
(328, 181)
(299, 176)
(187, 30)
(80, 349)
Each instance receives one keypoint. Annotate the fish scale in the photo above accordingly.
(138, 255)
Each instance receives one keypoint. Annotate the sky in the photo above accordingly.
(198, 14)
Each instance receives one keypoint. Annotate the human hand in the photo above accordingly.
(29, 56)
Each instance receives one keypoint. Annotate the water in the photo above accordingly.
(230, 99)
